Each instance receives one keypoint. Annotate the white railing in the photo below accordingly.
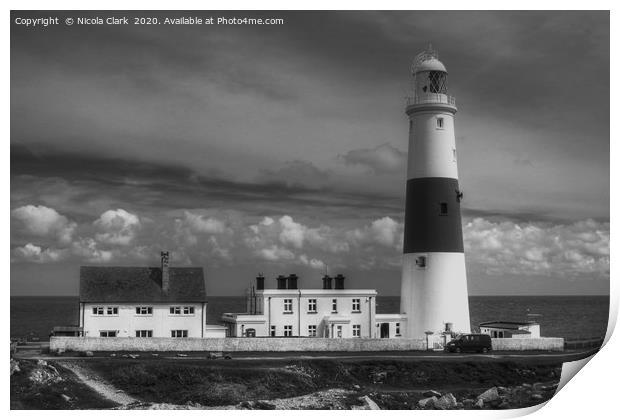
(431, 98)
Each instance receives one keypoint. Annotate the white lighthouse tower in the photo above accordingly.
(434, 282)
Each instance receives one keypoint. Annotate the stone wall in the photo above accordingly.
(233, 344)
(278, 344)
(524, 344)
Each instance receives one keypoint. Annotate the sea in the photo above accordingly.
(570, 317)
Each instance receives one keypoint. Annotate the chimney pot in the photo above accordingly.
(165, 273)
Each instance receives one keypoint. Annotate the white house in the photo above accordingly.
(289, 311)
(144, 302)
(510, 329)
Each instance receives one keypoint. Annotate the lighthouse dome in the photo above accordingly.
(429, 64)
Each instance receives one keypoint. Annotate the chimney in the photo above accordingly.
(260, 282)
(327, 282)
(292, 281)
(165, 274)
(281, 282)
(339, 282)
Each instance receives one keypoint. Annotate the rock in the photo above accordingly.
(504, 405)
(468, 403)
(489, 395)
(113, 355)
(41, 362)
(432, 393)
(369, 404)
(427, 403)
(88, 353)
(263, 405)
(134, 356)
(446, 402)
(181, 355)
(357, 387)
(537, 397)
(526, 385)
(503, 390)
(44, 375)
(479, 404)
(460, 405)
(65, 397)
(14, 366)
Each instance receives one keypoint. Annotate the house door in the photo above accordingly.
(385, 330)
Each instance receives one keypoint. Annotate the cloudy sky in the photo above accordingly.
(282, 148)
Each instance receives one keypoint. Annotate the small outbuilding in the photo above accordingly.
(510, 329)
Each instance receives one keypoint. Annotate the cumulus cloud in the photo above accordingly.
(201, 224)
(87, 249)
(275, 253)
(383, 159)
(36, 254)
(311, 262)
(117, 227)
(43, 221)
(386, 232)
(538, 249)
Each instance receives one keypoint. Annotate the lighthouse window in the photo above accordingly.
(437, 82)
(421, 261)
(439, 122)
(443, 209)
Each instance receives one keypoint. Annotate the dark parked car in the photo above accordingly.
(470, 342)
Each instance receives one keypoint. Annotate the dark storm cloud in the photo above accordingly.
(170, 187)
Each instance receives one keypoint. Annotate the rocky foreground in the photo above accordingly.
(364, 385)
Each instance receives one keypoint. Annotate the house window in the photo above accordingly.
(397, 329)
(334, 305)
(144, 310)
(272, 331)
(357, 330)
(98, 310)
(440, 123)
(454, 155)
(175, 310)
(288, 330)
(443, 209)
(356, 305)
(339, 331)
(107, 333)
(288, 306)
(144, 333)
(311, 305)
(178, 333)
(112, 310)
(311, 330)
(420, 261)
(188, 310)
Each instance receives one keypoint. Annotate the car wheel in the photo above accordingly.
(485, 350)
(458, 349)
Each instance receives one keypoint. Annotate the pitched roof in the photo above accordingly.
(141, 284)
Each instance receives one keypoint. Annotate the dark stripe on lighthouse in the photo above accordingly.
(433, 216)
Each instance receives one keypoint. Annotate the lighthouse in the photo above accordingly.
(434, 282)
